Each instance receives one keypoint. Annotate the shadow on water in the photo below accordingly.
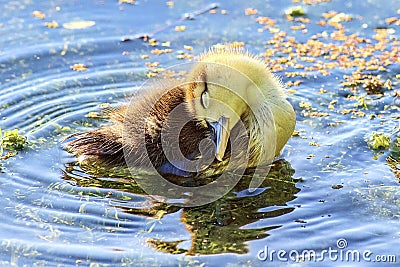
(223, 226)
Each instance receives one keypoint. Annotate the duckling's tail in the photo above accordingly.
(99, 145)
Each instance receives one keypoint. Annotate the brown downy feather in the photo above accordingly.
(107, 144)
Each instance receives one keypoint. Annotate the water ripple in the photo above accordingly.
(48, 96)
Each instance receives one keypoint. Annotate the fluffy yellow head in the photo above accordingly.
(215, 91)
(222, 86)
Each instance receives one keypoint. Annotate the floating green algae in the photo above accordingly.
(12, 140)
(378, 140)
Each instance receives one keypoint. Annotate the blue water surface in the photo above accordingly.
(337, 195)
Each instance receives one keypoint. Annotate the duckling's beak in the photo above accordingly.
(221, 131)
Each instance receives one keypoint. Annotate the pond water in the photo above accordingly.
(329, 190)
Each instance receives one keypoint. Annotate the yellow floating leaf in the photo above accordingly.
(126, 2)
(79, 67)
(153, 42)
(79, 24)
(157, 51)
(180, 28)
(250, 11)
(52, 24)
(38, 14)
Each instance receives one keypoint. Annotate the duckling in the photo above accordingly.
(225, 88)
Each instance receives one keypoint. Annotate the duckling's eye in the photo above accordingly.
(205, 100)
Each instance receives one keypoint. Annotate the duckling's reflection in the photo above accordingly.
(217, 227)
